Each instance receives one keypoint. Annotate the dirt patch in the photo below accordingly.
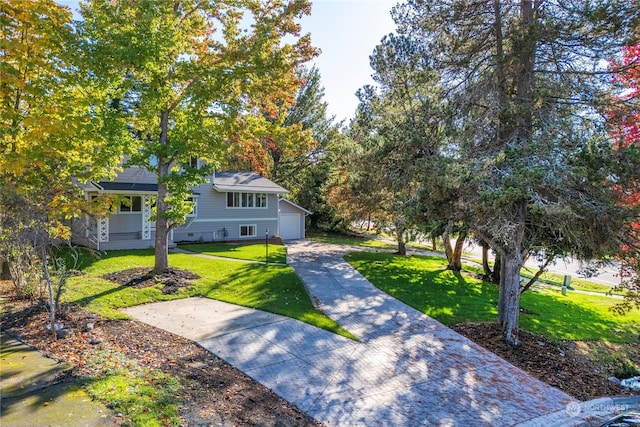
(213, 392)
(565, 365)
(172, 279)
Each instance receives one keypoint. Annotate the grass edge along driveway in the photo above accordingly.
(273, 288)
(424, 283)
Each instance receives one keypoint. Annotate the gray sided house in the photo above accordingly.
(233, 206)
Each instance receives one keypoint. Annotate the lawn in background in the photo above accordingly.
(557, 279)
(273, 288)
(425, 284)
(349, 240)
(245, 251)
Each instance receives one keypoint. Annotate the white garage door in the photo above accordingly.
(290, 226)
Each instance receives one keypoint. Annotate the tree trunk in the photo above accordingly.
(497, 268)
(448, 250)
(402, 246)
(162, 225)
(492, 275)
(434, 243)
(536, 276)
(454, 256)
(47, 278)
(509, 300)
(4, 270)
(485, 261)
(510, 265)
(457, 252)
(162, 232)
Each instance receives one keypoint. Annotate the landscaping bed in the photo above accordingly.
(212, 392)
(567, 365)
(215, 393)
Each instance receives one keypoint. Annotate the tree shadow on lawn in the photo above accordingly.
(451, 298)
(81, 258)
(555, 316)
(559, 317)
(271, 288)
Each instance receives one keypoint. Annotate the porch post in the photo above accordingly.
(103, 229)
(146, 214)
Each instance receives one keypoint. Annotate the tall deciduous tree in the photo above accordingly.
(624, 125)
(198, 78)
(522, 79)
(54, 127)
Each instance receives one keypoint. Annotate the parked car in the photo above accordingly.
(630, 419)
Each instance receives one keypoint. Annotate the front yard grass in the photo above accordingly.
(144, 397)
(425, 284)
(272, 288)
(249, 252)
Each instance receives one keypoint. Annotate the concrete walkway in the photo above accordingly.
(407, 368)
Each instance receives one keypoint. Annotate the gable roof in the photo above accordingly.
(305, 211)
(230, 181)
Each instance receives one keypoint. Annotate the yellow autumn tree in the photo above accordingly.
(54, 130)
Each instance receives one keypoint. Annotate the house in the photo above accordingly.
(232, 206)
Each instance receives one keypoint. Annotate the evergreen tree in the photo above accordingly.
(530, 156)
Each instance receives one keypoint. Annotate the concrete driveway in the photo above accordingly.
(407, 369)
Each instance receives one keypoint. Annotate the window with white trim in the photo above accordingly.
(248, 230)
(261, 200)
(246, 200)
(131, 204)
(194, 200)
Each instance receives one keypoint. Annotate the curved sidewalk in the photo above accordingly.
(407, 369)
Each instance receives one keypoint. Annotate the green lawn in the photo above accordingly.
(425, 284)
(144, 396)
(343, 239)
(250, 252)
(272, 288)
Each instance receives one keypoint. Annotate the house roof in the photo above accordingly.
(306, 212)
(229, 181)
(110, 186)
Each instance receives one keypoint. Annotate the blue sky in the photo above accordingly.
(346, 31)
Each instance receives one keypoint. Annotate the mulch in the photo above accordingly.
(213, 392)
(562, 365)
(172, 279)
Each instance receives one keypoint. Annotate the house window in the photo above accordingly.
(130, 204)
(194, 211)
(246, 200)
(248, 231)
(193, 162)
